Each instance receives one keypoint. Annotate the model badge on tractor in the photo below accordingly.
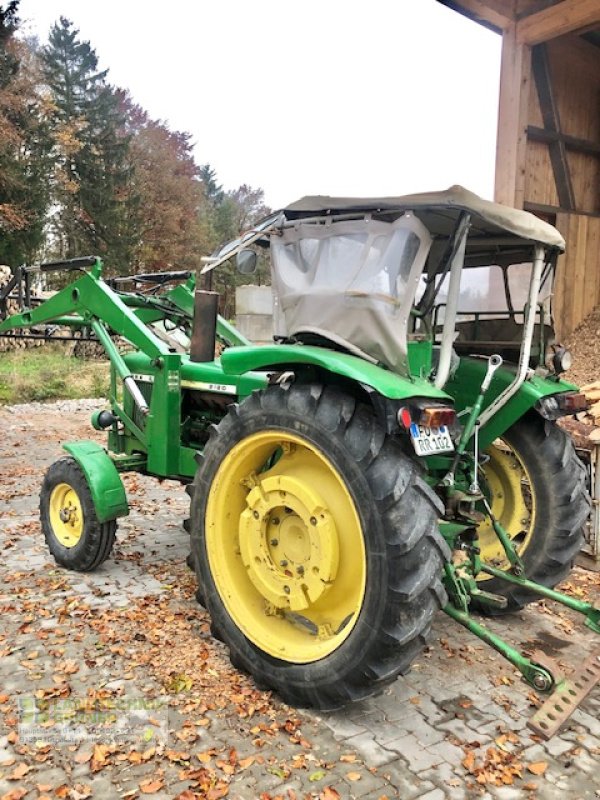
(393, 452)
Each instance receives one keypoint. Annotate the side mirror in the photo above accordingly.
(246, 262)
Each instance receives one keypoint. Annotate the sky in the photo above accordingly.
(339, 97)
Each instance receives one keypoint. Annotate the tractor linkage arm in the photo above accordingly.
(539, 671)
(460, 581)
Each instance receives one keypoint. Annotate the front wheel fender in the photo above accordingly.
(104, 481)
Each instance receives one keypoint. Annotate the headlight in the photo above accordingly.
(562, 360)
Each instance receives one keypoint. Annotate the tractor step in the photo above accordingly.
(568, 694)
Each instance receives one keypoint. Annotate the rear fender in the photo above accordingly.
(284, 357)
(466, 381)
(106, 486)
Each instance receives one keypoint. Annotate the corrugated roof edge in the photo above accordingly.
(513, 220)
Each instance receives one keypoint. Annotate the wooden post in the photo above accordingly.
(515, 79)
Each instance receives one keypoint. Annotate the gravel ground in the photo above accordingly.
(132, 632)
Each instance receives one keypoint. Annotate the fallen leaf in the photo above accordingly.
(537, 767)
(280, 773)
(151, 786)
(99, 757)
(317, 775)
(19, 772)
(348, 758)
(14, 794)
(81, 792)
(329, 793)
(218, 791)
(354, 776)
(244, 763)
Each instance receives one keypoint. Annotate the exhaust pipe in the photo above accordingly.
(204, 330)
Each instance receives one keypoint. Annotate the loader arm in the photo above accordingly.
(87, 299)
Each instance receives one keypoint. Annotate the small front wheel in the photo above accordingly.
(75, 536)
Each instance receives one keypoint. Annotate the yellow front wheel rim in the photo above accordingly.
(66, 515)
(285, 546)
(512, 499)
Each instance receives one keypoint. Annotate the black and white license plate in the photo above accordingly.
(429, 441)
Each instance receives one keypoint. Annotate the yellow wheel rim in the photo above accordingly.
(285, 546)
(66, 515)
(512, 499)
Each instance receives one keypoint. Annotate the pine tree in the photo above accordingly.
(92, 175)
(24, 146)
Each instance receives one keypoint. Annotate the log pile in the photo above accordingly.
(585, 426)
(592, 415)
(583, 344)
(12, 307)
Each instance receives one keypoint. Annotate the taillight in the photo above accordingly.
(436, 416)
(405, 417)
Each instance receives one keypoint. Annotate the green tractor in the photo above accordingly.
(393, 452)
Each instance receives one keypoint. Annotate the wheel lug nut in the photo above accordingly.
(275, 521)
(283, 563)
(286, 589)
(255, 514)
(274, 542)
(313, 520)
(300, 570)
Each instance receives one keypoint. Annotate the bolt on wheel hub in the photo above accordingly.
(285, 546)
(66, 514)
(288, 542)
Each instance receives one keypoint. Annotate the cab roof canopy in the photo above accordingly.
(439, 212)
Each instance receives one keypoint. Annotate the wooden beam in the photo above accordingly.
(542, 208)
(564, 17)
(533, 7)
(549, 109)
(570, 142)
(485, 13)
(515, 78)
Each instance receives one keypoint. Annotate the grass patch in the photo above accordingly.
(48, 373)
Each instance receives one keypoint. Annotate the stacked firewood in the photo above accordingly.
(12, 307)
(592, 415)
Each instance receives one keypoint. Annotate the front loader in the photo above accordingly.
(394, 451)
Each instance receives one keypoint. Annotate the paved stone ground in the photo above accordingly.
(454, 727)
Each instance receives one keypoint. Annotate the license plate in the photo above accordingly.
(428, 441)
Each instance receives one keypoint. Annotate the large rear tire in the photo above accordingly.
(536, 485)
(316, 545)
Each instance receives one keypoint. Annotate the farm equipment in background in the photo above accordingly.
(394, 451)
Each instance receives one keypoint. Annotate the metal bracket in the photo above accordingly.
(566, 697)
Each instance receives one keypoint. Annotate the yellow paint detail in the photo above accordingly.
(66, 514)
(285, 546)
(512, 498)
